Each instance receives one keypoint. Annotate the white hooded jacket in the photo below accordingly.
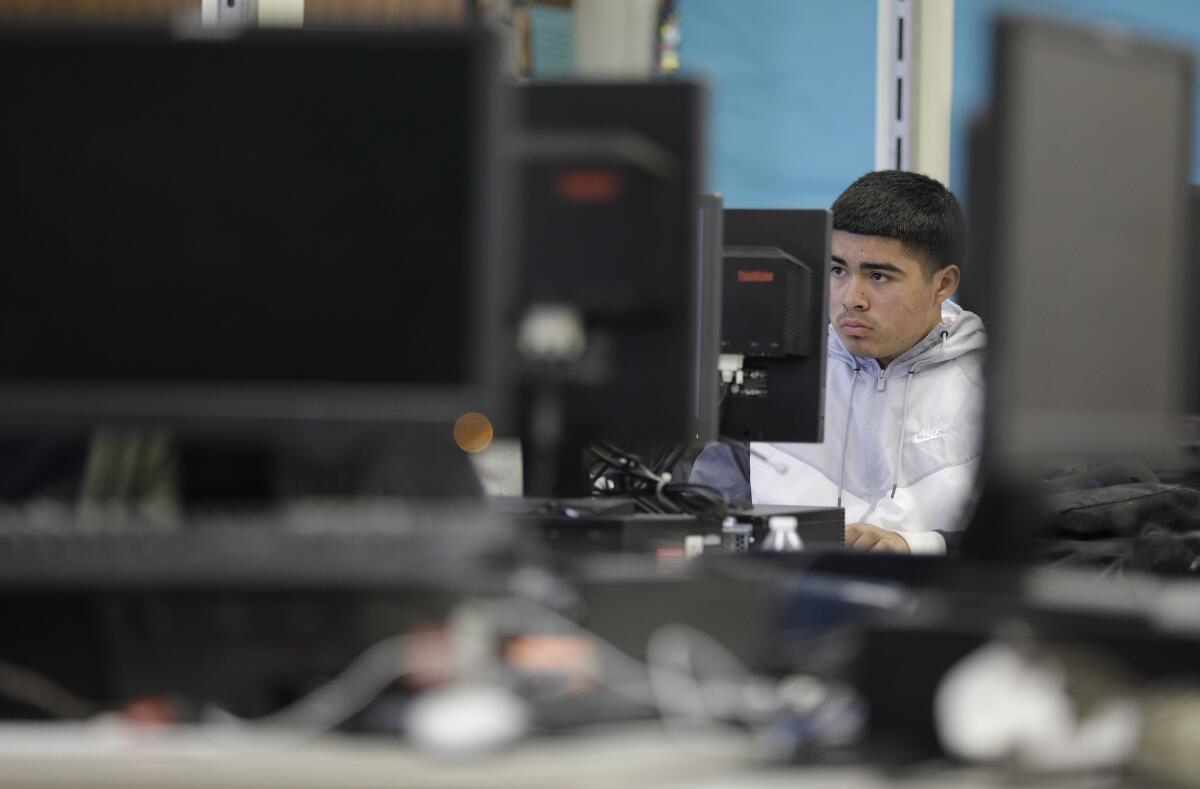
(902, 444)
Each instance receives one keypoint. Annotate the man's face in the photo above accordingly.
(881, 303)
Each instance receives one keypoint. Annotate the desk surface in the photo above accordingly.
(613, 758)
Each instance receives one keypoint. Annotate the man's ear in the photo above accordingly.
(945, 282)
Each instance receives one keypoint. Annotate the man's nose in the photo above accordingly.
(854, 298)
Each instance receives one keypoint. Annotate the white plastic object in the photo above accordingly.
(466, 719)
(997, 704)
(783, 534)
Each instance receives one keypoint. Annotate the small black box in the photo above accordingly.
(765, 293)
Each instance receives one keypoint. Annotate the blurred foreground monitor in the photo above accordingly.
(247, 240)
(1079, 199)
(614, 279)
(268, 262)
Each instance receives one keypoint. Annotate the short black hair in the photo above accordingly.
(909, 207)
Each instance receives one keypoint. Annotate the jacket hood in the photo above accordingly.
(963, 332)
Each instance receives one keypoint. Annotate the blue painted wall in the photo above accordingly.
(1177, 21)
(792, 105)
(792, 101)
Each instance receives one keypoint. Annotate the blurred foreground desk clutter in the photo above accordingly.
(276, 307)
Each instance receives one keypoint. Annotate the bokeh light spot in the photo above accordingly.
(473, 432)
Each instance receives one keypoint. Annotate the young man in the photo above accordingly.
(904, 387)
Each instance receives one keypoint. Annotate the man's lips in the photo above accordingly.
(854, 328)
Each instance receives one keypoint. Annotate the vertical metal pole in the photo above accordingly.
(914, 80)
(894, 84)
(227, 13)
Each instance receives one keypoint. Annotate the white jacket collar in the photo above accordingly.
(963, 332)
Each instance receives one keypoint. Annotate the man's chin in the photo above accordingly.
(859, 346)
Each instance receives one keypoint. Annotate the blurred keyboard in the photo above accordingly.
(352, 545)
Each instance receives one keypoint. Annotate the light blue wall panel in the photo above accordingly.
(792, 107)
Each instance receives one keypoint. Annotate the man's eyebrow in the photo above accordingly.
(881, 267)
(871, 266)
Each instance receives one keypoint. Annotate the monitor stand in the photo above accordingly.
(554, 448)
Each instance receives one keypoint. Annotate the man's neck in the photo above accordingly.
(885, 361)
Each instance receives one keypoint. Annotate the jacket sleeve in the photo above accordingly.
(725, 468)
(936, 542)
(953, 540)
(929, 514)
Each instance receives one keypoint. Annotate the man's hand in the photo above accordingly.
(865, 537)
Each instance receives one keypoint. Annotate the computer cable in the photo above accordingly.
(42, 694)
(688, 679)
(656, 492)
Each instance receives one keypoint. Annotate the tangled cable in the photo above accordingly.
(620, 473)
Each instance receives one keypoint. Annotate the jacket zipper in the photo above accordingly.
(913, 351)
(879, 408)
(877, 417)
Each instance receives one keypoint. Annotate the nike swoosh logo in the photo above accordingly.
(928, 435)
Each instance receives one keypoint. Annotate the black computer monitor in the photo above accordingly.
(1078, 204)
(260, 230)
(775, 303)
(1191, 405)
(612, 235)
